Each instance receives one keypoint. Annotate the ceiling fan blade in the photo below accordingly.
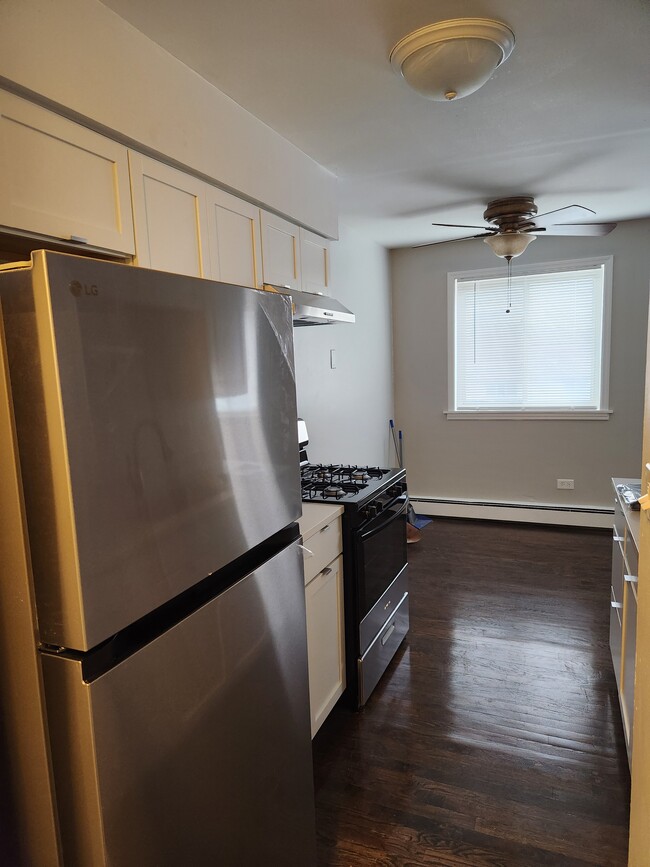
(459, 226)
(570, 212)
(451, 240)
(594, 230)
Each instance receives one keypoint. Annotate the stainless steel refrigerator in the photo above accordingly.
(154, 423)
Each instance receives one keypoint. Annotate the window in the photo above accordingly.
(534, 346)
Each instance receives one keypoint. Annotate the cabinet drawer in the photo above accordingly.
(619, 520)
(321, 548)
(631, 555)
(374, 661)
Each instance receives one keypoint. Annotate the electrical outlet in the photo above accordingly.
(565, 484)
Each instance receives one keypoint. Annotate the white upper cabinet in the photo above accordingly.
(234, 239)
(314, 258)
(170, 218)
(293, 257)
(62, 180)
(280, 251)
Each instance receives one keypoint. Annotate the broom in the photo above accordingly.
(412, 532)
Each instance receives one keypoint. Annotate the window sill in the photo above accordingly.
(534, 415)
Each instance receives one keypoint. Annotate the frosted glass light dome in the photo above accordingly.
(451, 59)
(510, 244)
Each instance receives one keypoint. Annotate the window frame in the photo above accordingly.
(601, 414)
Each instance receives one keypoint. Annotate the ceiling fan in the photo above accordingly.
(514, 223)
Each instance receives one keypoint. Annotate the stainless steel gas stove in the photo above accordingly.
(375, 571)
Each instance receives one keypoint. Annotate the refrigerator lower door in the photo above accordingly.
(196, 749)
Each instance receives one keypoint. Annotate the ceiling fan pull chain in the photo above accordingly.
(509, 302)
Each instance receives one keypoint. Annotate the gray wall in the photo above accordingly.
(516, 461)
(347, 409)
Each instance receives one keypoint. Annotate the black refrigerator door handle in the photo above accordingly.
(393, 516)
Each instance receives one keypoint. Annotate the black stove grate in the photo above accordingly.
(337, 481)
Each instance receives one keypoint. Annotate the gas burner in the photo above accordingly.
(351, 487)
(359, 475)
(321, 491)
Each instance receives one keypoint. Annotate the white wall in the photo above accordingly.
(80, 55)
(516, 461)
(347, 409)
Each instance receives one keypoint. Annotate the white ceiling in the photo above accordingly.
(566, 119)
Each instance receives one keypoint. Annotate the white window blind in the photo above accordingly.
(545, 354)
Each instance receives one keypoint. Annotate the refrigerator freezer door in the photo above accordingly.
(157, 434)
(195, 750)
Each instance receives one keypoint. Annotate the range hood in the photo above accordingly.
(310, 308)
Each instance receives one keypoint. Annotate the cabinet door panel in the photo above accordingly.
(61, 179)
(325, 641)
(280, 251)
(234, 239)
(629, 660)
(314, 258)
(170, 220)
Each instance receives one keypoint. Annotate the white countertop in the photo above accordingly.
(632, 517)
(314, 515)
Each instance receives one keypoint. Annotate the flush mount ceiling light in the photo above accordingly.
(451, 59)
(510, 244)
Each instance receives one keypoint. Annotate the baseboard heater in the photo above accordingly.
(582, 516)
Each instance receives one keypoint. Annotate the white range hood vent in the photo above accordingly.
(310, 308)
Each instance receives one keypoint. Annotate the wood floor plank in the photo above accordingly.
(494, 739)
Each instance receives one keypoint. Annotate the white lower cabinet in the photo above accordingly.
(623, 610)
(323, 565)
(325, 641)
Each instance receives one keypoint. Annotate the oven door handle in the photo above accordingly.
(392, 516)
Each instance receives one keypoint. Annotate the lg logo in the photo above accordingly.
(78, 289)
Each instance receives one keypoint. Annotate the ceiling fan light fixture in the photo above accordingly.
(510, 244)
(451, 59)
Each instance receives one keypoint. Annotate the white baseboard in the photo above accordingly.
(568, 516)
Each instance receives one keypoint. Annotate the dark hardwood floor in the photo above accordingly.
(494, 739)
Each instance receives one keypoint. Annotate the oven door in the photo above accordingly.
(381, 569)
